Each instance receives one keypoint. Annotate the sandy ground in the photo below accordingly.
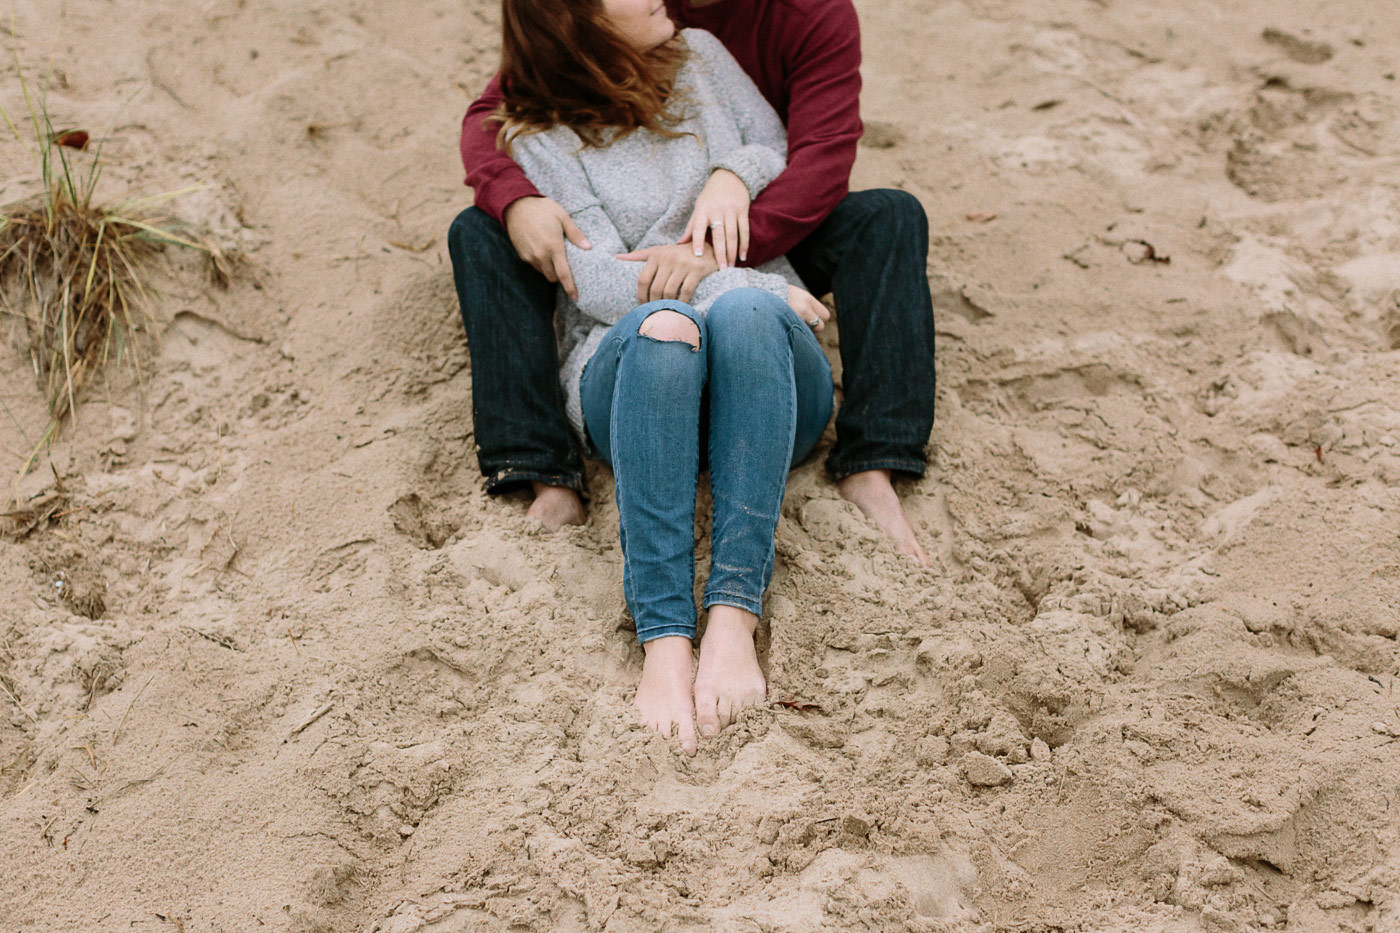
(1148, 685)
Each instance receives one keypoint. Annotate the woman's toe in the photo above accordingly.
(727, 711)
(706, 712)
(685, 730)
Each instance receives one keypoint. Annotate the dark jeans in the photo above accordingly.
(870, 253)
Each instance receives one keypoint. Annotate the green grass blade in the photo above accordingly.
(11, 124)
(22, 433)
(151, 200)
(157, 233)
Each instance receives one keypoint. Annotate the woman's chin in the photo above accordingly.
(665, 34)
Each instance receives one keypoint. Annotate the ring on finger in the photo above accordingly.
(717, 225)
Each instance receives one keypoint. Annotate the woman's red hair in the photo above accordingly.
(561, 63)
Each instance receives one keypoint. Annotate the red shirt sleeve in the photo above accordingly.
(824, 128)
(494, 177)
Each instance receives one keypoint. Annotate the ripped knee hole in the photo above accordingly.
(670, 326)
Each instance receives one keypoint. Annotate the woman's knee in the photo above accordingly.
(750, 313)
(668, 326)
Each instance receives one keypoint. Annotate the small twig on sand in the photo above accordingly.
(14, 699)
(116, 734)
(223, 641)
(135, 782)
(306, 723)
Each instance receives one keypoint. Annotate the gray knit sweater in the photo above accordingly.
(640, 191)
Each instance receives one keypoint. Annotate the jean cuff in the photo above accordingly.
(508, 478)
(842, 469)
(661, 631)
(746, 603)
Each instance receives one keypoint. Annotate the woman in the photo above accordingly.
(625, 122)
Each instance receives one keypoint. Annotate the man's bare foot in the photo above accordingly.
(874, 495)
(729, 677)
(556, 506)
(663, 696)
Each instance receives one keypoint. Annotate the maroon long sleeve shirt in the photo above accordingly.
(804, 55)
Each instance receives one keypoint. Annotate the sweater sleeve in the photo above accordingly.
(755, 165)
(495, 178)
(760, 157)
(823, 122)
(607, 287)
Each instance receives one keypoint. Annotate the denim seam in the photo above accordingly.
(770, 555)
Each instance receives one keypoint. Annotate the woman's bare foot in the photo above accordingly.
(556, 506)
(874, 495)
(663, 697)
(729, 677)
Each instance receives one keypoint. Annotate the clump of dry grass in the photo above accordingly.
(77, 270)
(19, 522)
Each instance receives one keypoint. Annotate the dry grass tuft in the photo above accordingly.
(18, 523)
(77, 270)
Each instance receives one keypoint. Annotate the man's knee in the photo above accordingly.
(474, 230)
(888, 206)
(669, 327)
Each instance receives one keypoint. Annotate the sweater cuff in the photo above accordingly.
(755, 165)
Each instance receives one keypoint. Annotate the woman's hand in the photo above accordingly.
(721, 211)
(672, 271)
(808, 307)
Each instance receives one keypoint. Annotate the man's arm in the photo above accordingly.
(537, 226)
(494, 176)
(823, 129)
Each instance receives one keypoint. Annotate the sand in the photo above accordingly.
(289, 668)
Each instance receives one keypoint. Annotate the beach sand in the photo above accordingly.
(1147, 685)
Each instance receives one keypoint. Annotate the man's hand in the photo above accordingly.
(722, 211)
(808, 307)
(672, 271)
(537, 227)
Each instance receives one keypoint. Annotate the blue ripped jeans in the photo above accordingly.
(754, 399)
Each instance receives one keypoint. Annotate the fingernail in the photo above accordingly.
(708, 731)
(743, 257)
(699, 251)
(587, 244)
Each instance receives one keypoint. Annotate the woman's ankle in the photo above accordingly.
(669, 647)
(732, 618)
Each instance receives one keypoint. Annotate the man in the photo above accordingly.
(867, 248)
